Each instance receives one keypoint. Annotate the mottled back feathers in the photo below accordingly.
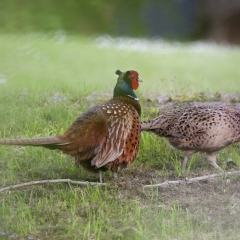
(206, 129)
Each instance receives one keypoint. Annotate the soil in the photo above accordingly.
(214, 203)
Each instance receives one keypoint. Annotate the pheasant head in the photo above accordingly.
(126, 83)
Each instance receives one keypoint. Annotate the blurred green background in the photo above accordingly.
(55, 44)
(174, 19)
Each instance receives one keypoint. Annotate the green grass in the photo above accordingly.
(90, 213)
(38, 62)
(47, 83)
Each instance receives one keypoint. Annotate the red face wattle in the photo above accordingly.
(134, 78)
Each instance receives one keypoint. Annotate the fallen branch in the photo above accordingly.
(191, 180)
(50, 181)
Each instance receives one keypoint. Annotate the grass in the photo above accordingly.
(47, 83)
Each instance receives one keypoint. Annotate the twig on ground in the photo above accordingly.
(50, 181)
(191, 180)
(164, 184)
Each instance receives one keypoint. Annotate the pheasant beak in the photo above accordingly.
(140, 80)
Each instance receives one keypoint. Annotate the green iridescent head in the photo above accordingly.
(126, 83)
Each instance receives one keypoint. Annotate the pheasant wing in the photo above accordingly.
(86, 135)
(119, 128)
(187, 125)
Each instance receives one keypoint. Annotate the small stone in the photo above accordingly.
(163, 98)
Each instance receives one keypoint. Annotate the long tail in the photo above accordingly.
(47, 142)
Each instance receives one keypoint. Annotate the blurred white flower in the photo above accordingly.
(3, 79)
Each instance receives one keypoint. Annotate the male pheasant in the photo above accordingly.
(197, 129)
(103, 137)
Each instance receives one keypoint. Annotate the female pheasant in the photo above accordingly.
(197, 129)
(105, 136)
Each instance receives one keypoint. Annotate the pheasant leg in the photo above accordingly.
(188, 154)
(100, 176)
(212, 159)
(114, 175)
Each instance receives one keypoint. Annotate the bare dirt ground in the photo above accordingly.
(213, 205)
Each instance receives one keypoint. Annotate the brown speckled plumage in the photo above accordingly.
(197, 129)
(103, 137)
